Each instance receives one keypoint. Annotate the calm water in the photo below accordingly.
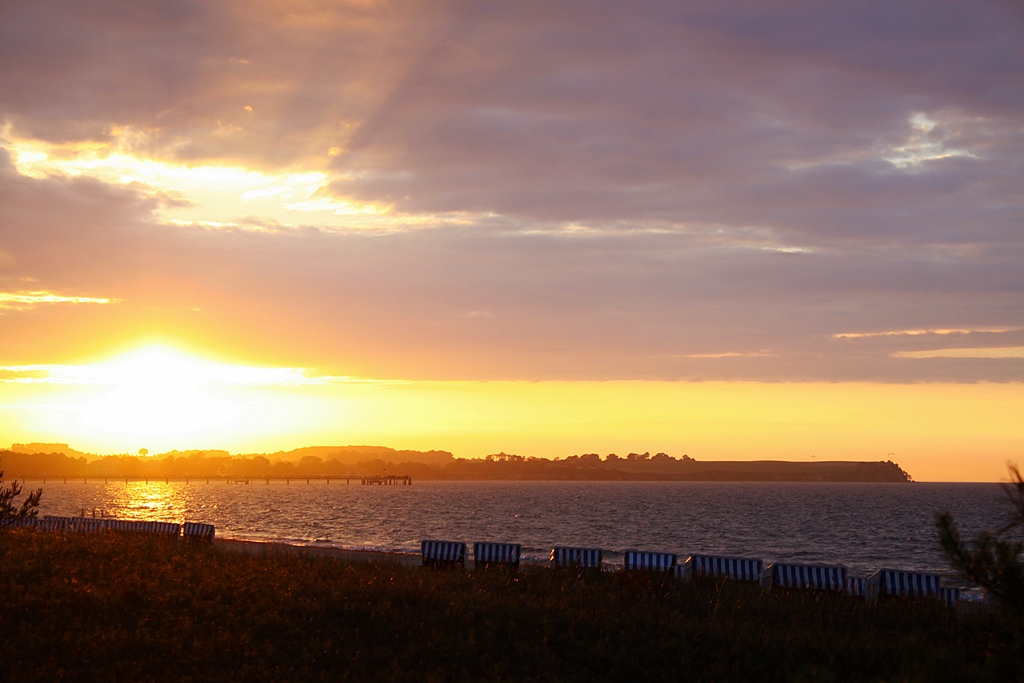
(865, 526)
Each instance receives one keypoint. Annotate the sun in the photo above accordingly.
(158, 392)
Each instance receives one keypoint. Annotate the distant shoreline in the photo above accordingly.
(339, 463)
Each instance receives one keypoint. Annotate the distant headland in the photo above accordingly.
(60, 460)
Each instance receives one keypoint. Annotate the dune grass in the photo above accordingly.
(135, 608)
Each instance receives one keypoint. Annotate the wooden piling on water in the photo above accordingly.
(387, 480)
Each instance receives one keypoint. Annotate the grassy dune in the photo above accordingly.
(136, 609)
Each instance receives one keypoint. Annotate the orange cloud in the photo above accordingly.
(921, 332)
(23, 301)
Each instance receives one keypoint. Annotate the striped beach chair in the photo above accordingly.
(122, 525)
(88, 525)
(18, 523)
(54, 523)
(584, 558)
(856, 586)
(142, 527)
(735, 568)
(640, 560)
(820, 577)
(496, 554)
(438, 554)
(949, 596)
(197, 531)
(169, 529)
(899, 583)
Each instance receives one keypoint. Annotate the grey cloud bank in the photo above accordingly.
(649, 190)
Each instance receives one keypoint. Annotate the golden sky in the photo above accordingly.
(648, 226)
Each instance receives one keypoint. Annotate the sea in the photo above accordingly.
(862, 526)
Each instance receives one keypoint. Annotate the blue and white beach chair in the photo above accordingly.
(856, 586)
(54, 523)
(162, 529)
(88, 525)
(949, 596)
(584, 558)
(18, 523)
(121, 525)
(821, 577)
(141, 527)
(713, 566)
(640, 560)
(899, 583)
(496, 554)
(438, 554)
(198, 531)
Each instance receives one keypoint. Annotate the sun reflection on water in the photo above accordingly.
(151, 501)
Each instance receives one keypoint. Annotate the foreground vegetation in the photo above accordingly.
(135, 608)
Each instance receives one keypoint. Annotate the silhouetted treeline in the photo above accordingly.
(660, 467)
(440, 465)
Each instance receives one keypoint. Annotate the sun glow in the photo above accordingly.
(157, 392)
(163, 399)
(169, 397)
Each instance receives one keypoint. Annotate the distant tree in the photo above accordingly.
(9, 510)
(993, 560)
(611, 457)
(1015, 493)
(662, 457)
(143, 451)
(505, 457)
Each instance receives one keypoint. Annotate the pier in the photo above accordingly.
(388, 480)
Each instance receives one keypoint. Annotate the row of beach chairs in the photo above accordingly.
(834, 578)
(92, 525)
(820, 577)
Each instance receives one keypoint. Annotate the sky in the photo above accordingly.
(726, 229)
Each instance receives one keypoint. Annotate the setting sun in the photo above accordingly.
(155, 392)
(158, 393)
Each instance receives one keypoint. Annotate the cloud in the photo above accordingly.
(918, 333)
(23, 301)
(730, 354)
(994, 352)
(208, 195)
(639, 190)
(183, 370)
(680, 116)
(613, 305)
(689, 116)
(247, 81)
